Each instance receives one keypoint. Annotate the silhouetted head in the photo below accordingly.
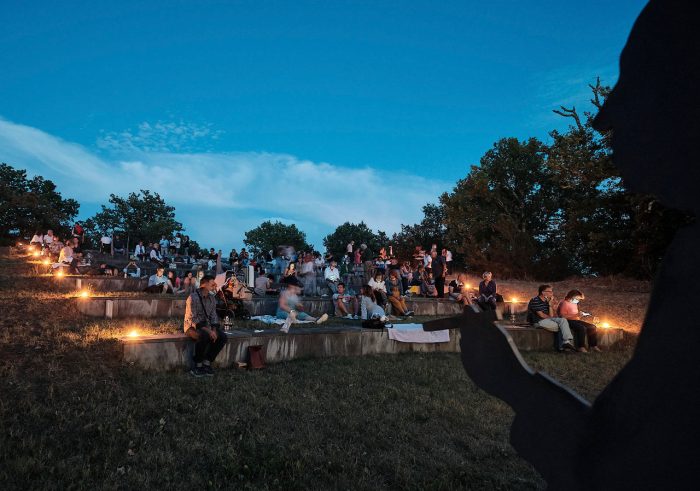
(654, 109)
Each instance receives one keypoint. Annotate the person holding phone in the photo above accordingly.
(568, 309)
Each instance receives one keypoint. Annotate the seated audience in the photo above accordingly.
(428, 288)
(37, 239)
(155, 256)
(202, 325)
(368, 305)
(332, 276)
(48, 238)
(290, 307)
(396, 299)
(188, 284)
(379, 287)
(346, 305)
(540, 313)
(263, 285)
(159, 283)
(173, 279)
(487, 292)
(140, 251)
(406, 275)
(458, 290)
(66, 259)
(132, 270)
(107, 270)
(106, 244)
(568, 309)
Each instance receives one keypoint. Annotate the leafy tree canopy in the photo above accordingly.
(269, 235)
(30, 205)
(337, 242)
(141, 216)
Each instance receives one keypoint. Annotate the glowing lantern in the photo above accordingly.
(605, 325)
(514, 300)
(59, 273)
(46, 262)
(84, 294)
(36, 254)
(134, 334)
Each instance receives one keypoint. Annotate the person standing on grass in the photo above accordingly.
(202, 325)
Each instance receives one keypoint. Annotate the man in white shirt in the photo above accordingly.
(332, 277)
(140, 251)
(48, 238)
(349, 247)
(106, 243)
(155, 256)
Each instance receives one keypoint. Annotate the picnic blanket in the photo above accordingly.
(414, 333)
(271, 319)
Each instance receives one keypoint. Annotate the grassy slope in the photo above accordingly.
(73, 415)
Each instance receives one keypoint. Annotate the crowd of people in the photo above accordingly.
(360, 284)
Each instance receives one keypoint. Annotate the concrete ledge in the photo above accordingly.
(171, 351)
(174, 306)
(104, 283)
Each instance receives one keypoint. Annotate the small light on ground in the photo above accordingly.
(605, 325)
(84, 294)
(467, 285)
(36, 254)
(59, 273)
(514, 300)
(46, 262)
(134, 334)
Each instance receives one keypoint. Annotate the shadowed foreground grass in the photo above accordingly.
(73, 415)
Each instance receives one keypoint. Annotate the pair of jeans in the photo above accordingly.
(204, 347)
(440, 286)
(583, 330)
(557, 324)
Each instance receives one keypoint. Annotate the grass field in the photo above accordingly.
(73, 415)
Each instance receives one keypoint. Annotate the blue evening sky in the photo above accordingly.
(324, 96)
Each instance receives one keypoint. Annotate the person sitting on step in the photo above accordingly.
(202, 325)
(290, 307)
(345, 303)
(159, 283)
(540, 313)
(368, 305)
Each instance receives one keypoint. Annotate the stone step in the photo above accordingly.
(150, 306)
(170, 351)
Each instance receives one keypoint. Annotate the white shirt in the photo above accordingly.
(155, 255)
(177, 242)
(106, 240)
(427, 260)
(37, 238)
(377, 285)
(332, 274)
(448, 256)
(349, 249)
(48, 239)
(140, 249)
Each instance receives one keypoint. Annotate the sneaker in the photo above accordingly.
(322, 319)
(355, 317)
(410, 313)
(208, 370)
(198, 372)
(349, 316)
(567, 346)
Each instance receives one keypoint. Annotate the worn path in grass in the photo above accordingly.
(73, 415)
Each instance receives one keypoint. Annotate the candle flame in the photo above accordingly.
(84, 294)
(59, 273)
(134, 334)
(46, 262)
(605, 325)
(514, 300)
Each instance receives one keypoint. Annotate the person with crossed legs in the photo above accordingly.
(540, 313)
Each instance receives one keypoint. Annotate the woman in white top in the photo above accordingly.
(379, 287)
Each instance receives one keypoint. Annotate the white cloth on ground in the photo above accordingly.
(271, 319)
(414, 333)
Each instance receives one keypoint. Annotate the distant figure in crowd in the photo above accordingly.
(458, 290)
(155, 256)
(378, 286)
(263, 285)
(332, 276)
(159, 283)
(346, 305)
(487, 292)
(140, 251)
(202, 325)
(132, 270)
(368, 305)
(540, 313)
(106, 244)
(568, 309)
(439, 268)
(308, 275)
(290, 307)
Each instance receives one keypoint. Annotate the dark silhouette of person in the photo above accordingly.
(643, 430)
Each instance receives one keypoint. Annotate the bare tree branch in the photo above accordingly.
(569, 113)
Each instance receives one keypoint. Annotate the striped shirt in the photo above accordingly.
(535, 305)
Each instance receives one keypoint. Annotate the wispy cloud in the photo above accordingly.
(218, 196)
(162, 136)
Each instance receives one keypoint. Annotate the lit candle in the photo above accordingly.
(84, 294)
(605, 325)
(59, 273)
(134, 334)
(46, 262)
